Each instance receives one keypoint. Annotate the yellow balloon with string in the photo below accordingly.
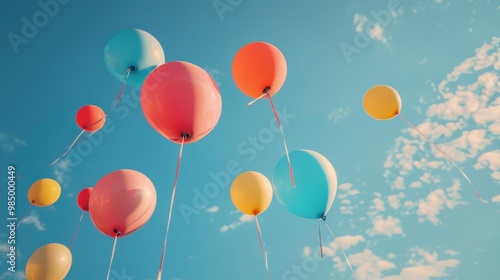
(382, 102)
(251, 192)
(51, 261)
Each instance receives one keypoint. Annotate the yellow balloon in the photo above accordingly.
(251, 192)
(44, 192)
(382, 102)
(49, 262)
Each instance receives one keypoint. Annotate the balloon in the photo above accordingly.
(44, 192)
(382, 102)
(251, 192)
(90, 118)
(83, 199)
(257, 66)
(316, 184)
(132, 49)
(51, 261)
(122, 202)
(181, 99)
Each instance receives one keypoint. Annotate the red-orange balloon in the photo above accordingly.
(258, 66)
(181, 99)
(83, 199)
(90, 118)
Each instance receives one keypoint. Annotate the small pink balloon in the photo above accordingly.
(122, 202)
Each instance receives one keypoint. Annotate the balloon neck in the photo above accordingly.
(131, 68)
(117, 232)
(323, 218)
(32, 201)
(266, 89)
(185, 135)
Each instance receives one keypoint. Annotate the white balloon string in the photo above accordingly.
(160, 270)
(262, 247)
(76, 231)
(66, 152)
(343, 252)
(112, 254)
(450, 160)
(23, 216)
(283, 137)
(76, 140)
(255, 100)
(123, 87)
(320, 239)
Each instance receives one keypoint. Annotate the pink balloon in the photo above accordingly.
(122, 201)
(179, 98)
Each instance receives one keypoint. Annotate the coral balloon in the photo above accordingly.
(135, 50)
(90, 118)
(316, 184)
(122, 202)
(251, 192)
(51, 261)
(382, 102)
(83, 199)
(258, 66)
(44, 192)
(180, 99)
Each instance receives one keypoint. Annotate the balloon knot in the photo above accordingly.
(117, 232)
(266, 90)
(131, 68)
(185, 135)
(323, 218)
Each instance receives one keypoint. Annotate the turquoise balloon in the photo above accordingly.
(315, 184)
(133, 49)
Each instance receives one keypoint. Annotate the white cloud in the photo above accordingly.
(338, 114)
(377, 207)
(496, 199)
(9, 142)
(344, 191)
(389, 226)
(213, 209)
(369, 266)
(307, 251)
(424, 266)
(431, 206)
(243, 219)
(490, 159)
(33, 219)
(375, 31)
(216, 74)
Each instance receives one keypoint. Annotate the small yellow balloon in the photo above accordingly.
(382, 102)
(44, 192)
(251, 192)
(49, 262)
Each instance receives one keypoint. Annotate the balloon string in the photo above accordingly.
(76, 231)
(255, 100)
(112, 254)
(123, 87)
(450, 160)
(283, 136)
(23, 216)
(320, 239)
(160, 271)
(74, 142)
(262, 246)
(343, 252)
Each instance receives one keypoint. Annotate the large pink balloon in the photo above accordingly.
(179, 98)
(122, 201)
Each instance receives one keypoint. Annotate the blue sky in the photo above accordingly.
(401, 211)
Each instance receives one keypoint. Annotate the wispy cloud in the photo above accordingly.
(338, 114)
(431, 206)
(491, 160)
(243, 219)
(345, 191)
(34, 219)
(213, 209)
(9, 143)
(389, 226)
(375, 31)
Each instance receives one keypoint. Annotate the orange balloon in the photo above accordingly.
(90, 118)
(52, 261)
(382, 102)
(259, 66)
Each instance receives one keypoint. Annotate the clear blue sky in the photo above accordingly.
(401, 211)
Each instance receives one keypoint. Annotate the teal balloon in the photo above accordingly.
(315, 184)
(133, 49)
